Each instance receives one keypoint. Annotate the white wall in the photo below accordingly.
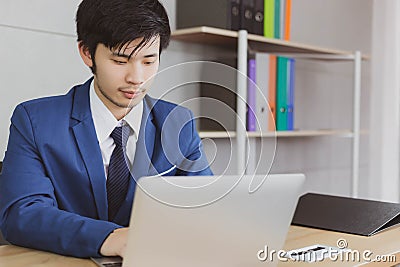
(385, 102)
(39, 54)
(324, 95)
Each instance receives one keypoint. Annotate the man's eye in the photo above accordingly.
(119, 62)
(149, 62)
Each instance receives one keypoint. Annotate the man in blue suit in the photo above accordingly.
(54, 186)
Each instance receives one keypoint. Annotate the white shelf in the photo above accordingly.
(217, 135)
(302, 133)
(279, 134)
(228, 39)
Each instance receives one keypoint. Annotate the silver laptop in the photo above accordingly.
(210, 220)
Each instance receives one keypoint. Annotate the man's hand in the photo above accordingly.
(115, 243)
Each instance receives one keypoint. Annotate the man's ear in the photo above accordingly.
(85, 54)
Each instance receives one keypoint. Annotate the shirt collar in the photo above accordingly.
(105, 122)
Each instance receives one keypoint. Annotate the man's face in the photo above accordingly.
(120, 81)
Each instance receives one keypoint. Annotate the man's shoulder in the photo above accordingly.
(50, 103)
(45, 101)
(51, 109)
(43, 108)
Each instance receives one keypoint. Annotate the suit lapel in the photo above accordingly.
(145, 143)
(86, 139)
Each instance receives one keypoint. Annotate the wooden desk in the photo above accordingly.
(387, 242)
(384, 243)
(12, 256)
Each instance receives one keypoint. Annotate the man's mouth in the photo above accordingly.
(131, 94)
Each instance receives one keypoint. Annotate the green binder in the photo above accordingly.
(281, 93)
(277, 19)
(269, 10)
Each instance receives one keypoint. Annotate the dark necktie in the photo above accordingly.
(118, 171)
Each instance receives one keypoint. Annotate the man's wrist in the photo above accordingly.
(115, 243)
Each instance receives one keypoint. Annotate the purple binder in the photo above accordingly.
(290, 94)
(251, 97)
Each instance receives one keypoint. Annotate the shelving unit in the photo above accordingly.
(242, 43)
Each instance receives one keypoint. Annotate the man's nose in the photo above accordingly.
(135, 75)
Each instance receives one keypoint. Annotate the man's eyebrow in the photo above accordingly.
(151, 55)
(116, 54)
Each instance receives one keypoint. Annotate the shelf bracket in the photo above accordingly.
(241, 102)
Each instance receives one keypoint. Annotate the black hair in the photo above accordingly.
(115, 23)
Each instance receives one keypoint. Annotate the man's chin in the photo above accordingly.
(127, 106)
(134, 102)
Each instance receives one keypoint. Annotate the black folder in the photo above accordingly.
(258, 23)
(247, 15)
(223, 14)
(347, 215)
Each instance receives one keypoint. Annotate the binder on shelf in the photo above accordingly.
(290, 93)
(347, 215)
(288, 14)
(247, 15)
(281, 93)
(277, 19)
(223, 14)
(272, 93)
(233, 14)
(282, 18)
(258, 23)
(269, 10)
(262, 90)
(251, 96)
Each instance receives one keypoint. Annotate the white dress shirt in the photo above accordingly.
(105, 122)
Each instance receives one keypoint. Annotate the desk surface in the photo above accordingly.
(384, 243)
(387, 242)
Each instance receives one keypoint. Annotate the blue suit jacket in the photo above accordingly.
(53, 186)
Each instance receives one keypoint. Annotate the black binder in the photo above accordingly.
(343, 214)
(223, 14)
(247, 15)
(258, 23)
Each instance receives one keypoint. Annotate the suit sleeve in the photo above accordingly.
(29, 214)
(195, 161)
